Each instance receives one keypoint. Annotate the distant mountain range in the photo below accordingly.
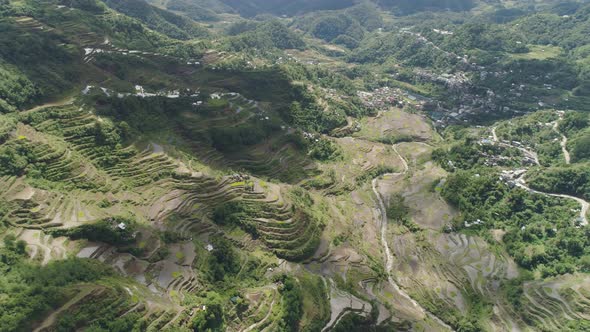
(293, 7)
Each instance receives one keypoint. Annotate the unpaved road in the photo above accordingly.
(388, 256)
(566, 153)
(563, 143)
(520, 182)
(531, 154)
(255, 325)
(50, 320)
(64, 102)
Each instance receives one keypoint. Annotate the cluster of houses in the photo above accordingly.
(237, 177)
(107, 48)
(511, 177)
(496, 160)
(443, 32)
(528, 158)
(142, 93)
(456, 81)
(382, 98)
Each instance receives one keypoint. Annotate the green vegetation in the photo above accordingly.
(573, 122)
(255, 7)
(221, 157)
(573, 180)
(266, 36)
(347, 27)
(541, 233)
(376, 172)
(581, 147)
(399, 212)
(172, 25)
(196, 11)
(324, 150)
(315, 305)
(107, 312)
(403, 48)
(30, 291)
(291, 234)
(537, 52)
(292, 304)
(355, 322)
(14, 158)
(223, 261)
(308, 117)
(115, 231)
(469, 154)
(210, 319)
(16, 90)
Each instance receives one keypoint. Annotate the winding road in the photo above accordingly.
(272, 304)
(388, 255)
(520, 181)
(531, 154)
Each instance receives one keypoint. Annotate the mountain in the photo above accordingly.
(172, 25)
(206, 10)
(217, 165)
(406, 6)
(252, 8)
(285, 7)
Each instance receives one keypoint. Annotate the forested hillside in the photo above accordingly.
(291, 166)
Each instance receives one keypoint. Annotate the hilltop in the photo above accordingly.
(216, 165)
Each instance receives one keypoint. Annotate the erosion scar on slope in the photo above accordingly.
(388, 255)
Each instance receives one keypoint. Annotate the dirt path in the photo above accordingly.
(520, 182)
(388, 255)
(383, 211)
(37, 239)
(342, 304)
(404, 162)
(566, 153)
(50, 320)
(255, 325)
(531, 154)
(563, 144)
(494, 135)
(34, 251)
(64, 102)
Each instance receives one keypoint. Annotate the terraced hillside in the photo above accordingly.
(73, 184)
(205, 171)
(156, 214)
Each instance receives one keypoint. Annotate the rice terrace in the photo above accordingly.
(294, 165)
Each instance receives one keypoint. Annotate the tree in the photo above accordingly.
(209, 319)
(14, 159)
(292, 303)
(397, 209)
(581, 148)
(573, 121)
(223, 260)
(87, 5)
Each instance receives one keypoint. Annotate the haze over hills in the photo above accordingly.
(219, 165)
(294, 7)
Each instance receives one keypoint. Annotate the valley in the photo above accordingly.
(213, 165)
